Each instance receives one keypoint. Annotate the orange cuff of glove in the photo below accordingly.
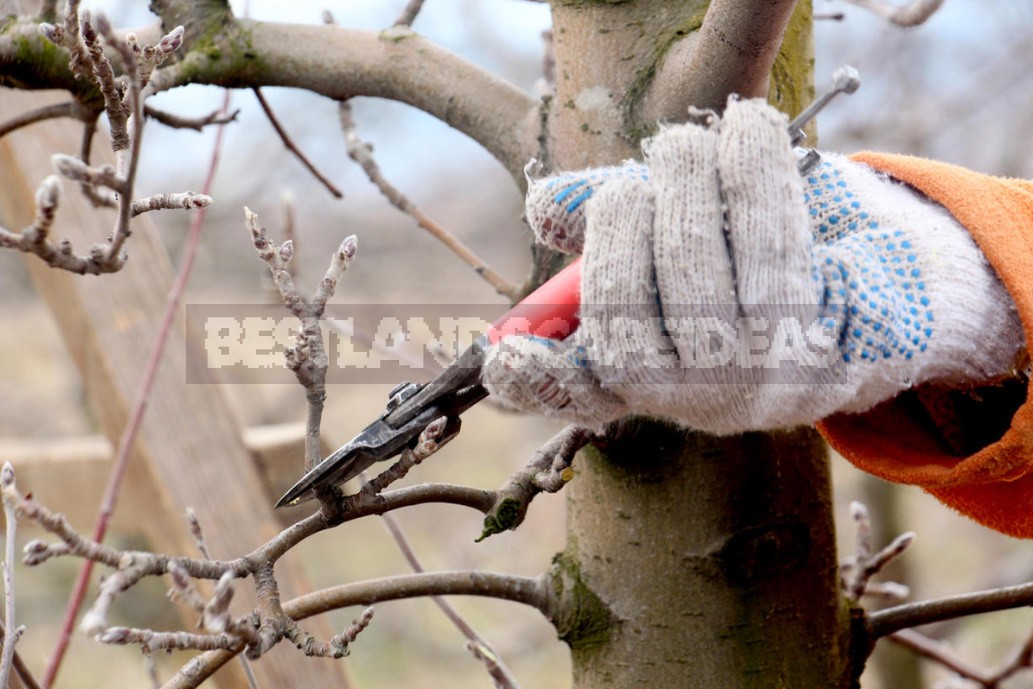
(994, 485)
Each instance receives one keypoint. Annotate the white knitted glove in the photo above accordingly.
(723, 291)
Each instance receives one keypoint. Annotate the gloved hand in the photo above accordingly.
(723, 291)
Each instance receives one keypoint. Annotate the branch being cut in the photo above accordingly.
(430, 441)
(364, 504)
(912, 14)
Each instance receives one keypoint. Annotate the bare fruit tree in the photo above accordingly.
(691, 560)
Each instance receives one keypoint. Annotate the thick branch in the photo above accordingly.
(396, 64)
(733, 52)
(526, 590)
(335, 62)
(885, 622)
(199, 17)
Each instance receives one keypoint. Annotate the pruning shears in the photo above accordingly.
(551, 312)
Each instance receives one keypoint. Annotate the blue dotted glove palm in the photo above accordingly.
(722, 291)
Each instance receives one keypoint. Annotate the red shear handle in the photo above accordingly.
(550, 311)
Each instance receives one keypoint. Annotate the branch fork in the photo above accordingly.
(85, 35)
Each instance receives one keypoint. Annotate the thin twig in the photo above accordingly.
(103, 74)
(152, 670)
(338, 646)
(135, 422)
(912, 14)
(479, 646)
(11, 632)
(129, 160)
(856, 572)
(24, 673)
(186, 200)
(149, 640)
(939, 652)
(86, 145)
(202, 547)
(290, 231)
(307, 358)
(292, 147)
(361, 153)
(1021, 660)
(430, 440)
(196, 123)
(408, 15)
(47, 112)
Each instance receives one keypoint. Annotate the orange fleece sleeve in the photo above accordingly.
(900, 440)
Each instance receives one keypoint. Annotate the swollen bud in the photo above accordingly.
(171, 41)
(54, 34)
(287, 251)
(70, 167)
(7, 475)
(48, 195)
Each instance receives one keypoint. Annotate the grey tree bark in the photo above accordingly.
(712, 559)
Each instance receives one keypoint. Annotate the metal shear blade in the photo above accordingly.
(410, 409)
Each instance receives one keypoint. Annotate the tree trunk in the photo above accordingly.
(698, 561)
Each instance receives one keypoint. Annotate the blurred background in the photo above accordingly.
(957, 88)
